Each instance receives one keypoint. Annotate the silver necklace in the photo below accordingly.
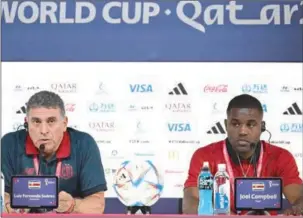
(244, 174)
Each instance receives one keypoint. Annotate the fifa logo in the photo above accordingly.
(173, 155)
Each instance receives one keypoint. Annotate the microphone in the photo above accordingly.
(41, 151)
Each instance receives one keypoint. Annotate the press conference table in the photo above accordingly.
(117, 216)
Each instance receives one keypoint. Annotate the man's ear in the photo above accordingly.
(65, 121)
(225, 124)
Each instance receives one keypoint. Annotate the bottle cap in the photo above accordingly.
(221, 167)
(206, 164)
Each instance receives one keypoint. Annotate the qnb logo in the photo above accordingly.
(255, 88)
(22, 109)
(179, 127)
(141, 88)
(178, 90)
(293, 110)
(216, 129)
(102, 107)
(291, 127)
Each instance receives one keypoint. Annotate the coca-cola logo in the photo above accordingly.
(70, 107)
(216, 88)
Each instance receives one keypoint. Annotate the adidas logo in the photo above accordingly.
(22, 110)
(216, 129)
(179, 90)
(293, 110)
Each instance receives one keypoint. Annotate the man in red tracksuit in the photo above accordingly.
(244, 125)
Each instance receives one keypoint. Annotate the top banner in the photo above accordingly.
(133, 30)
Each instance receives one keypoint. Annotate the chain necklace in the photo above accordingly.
(245, 174)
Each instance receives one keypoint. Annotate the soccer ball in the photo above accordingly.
(138, 183)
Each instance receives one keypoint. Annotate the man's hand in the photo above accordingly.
(66, 203)
(296, 209)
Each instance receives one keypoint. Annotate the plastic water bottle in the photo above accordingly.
(2, 194)
(205, 186)
(221, 191)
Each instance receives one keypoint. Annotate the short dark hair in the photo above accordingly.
(244, 101)
(46, 99)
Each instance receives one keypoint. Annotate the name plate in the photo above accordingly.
(258, 194)
(34, 192)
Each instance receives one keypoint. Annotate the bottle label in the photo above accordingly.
(205, 183)
(221, 203)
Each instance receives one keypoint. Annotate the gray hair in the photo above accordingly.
(46, 99)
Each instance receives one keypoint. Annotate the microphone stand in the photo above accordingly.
(41, 154)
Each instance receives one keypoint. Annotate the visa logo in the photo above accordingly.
(179, 127)
(141, 88)
(258, 186)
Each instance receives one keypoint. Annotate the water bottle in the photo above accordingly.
(205, 186)
(221, 191)
(2, 194)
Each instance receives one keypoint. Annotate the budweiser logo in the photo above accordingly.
(216, 88)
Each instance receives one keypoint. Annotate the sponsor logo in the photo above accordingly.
(297, 155)
(109, 171)
(281, 142)
(293, 110)
(258, 186)
(34, 184)
(70, 107)
(22, 109)
(179, 127)
(178, 107)
(138, 141)
(255, 88)
(48, 182)
(178, 90)
(273, 184)
(264, 107)
(144, 108)
(22, 88)
(173, 171)
(216, 88)
(216, 129)
(103, 141)
(197, 142)
(102, 107)
(140, 88)
(291, 127)
(148, 154)
(102, 89)
(64, 87)
(114, 154)
(103, 126)
(140, 128)
(290, 89)
(173, 155)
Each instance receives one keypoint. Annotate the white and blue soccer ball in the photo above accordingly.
(138, 183)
